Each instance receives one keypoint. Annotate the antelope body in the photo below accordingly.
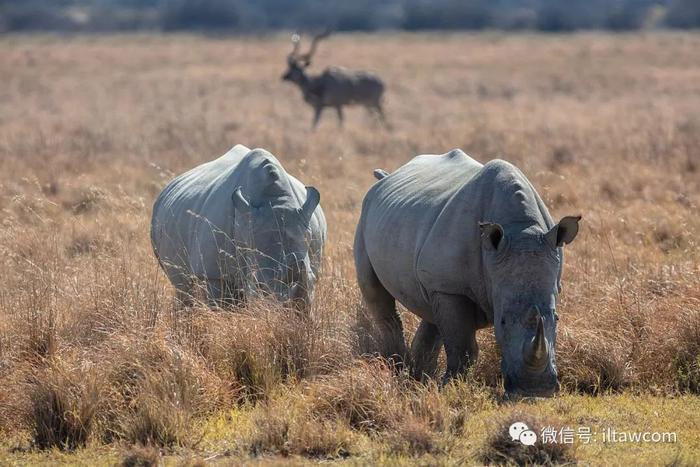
(335, 87)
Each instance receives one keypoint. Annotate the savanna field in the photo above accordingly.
(98, 366)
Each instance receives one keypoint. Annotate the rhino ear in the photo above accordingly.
(313, 197)
(380, 174)
(564, 232)
(239, 201)
(491, 233)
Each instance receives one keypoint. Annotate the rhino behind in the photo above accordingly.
(464, 246)
(239, 224)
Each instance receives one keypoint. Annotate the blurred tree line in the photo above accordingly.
(249, 16)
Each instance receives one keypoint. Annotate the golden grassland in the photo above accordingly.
(97, 365)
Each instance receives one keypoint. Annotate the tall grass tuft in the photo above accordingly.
(63, 408)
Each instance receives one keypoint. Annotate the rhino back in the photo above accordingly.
(420, 225)
(398, 214)
(451, 257)
(192, 217)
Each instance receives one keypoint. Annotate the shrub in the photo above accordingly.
(500, 448)
(281, 427)
(157, 391)
(141, 456)
(271, 433)
(412, 437)
(687, 361)
(365, 395)
(63, 404)
(592, 362)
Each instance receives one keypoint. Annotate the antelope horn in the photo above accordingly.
(314, 44)
(296, 43)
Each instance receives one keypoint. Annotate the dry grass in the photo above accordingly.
(94, 353)
(501, 449)
(687, 353)
(141, 456)
(63, 404)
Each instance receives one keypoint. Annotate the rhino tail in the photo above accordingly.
(380, 174)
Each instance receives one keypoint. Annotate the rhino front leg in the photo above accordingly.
(215, 292)
(456, 318)
(425, 350)
(184, 290)
(224, 294)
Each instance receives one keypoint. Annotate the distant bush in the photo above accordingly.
(32, 15)
(199, 14)
(359, 15)
(683, 14)
(555, 15)
(626, 16)
(451, 14)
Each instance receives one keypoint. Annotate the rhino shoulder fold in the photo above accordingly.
(456, 153)
(500, 165)
(240, 148)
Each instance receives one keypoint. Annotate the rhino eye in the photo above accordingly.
(503, 321)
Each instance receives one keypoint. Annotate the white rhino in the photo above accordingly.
(464, 246)
(239, 224)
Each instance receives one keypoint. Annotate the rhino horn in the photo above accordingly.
(303, 276)
(300, 290)
(536, 353)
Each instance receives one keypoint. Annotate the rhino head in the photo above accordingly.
(273, 239)
(523, 268)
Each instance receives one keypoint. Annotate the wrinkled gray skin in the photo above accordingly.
(464, 246)
(241, 225)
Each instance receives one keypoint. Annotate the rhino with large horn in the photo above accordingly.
(242, 226)
(464, 246)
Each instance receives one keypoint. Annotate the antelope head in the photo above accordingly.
(298, 62)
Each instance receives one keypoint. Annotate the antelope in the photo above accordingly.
(335, 87)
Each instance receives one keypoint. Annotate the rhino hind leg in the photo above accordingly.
(184, 287)
(381, 308)
(425, 350)
(457, 321)
(183, 298)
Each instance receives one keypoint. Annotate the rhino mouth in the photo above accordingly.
(540, 388)
(518, 393)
